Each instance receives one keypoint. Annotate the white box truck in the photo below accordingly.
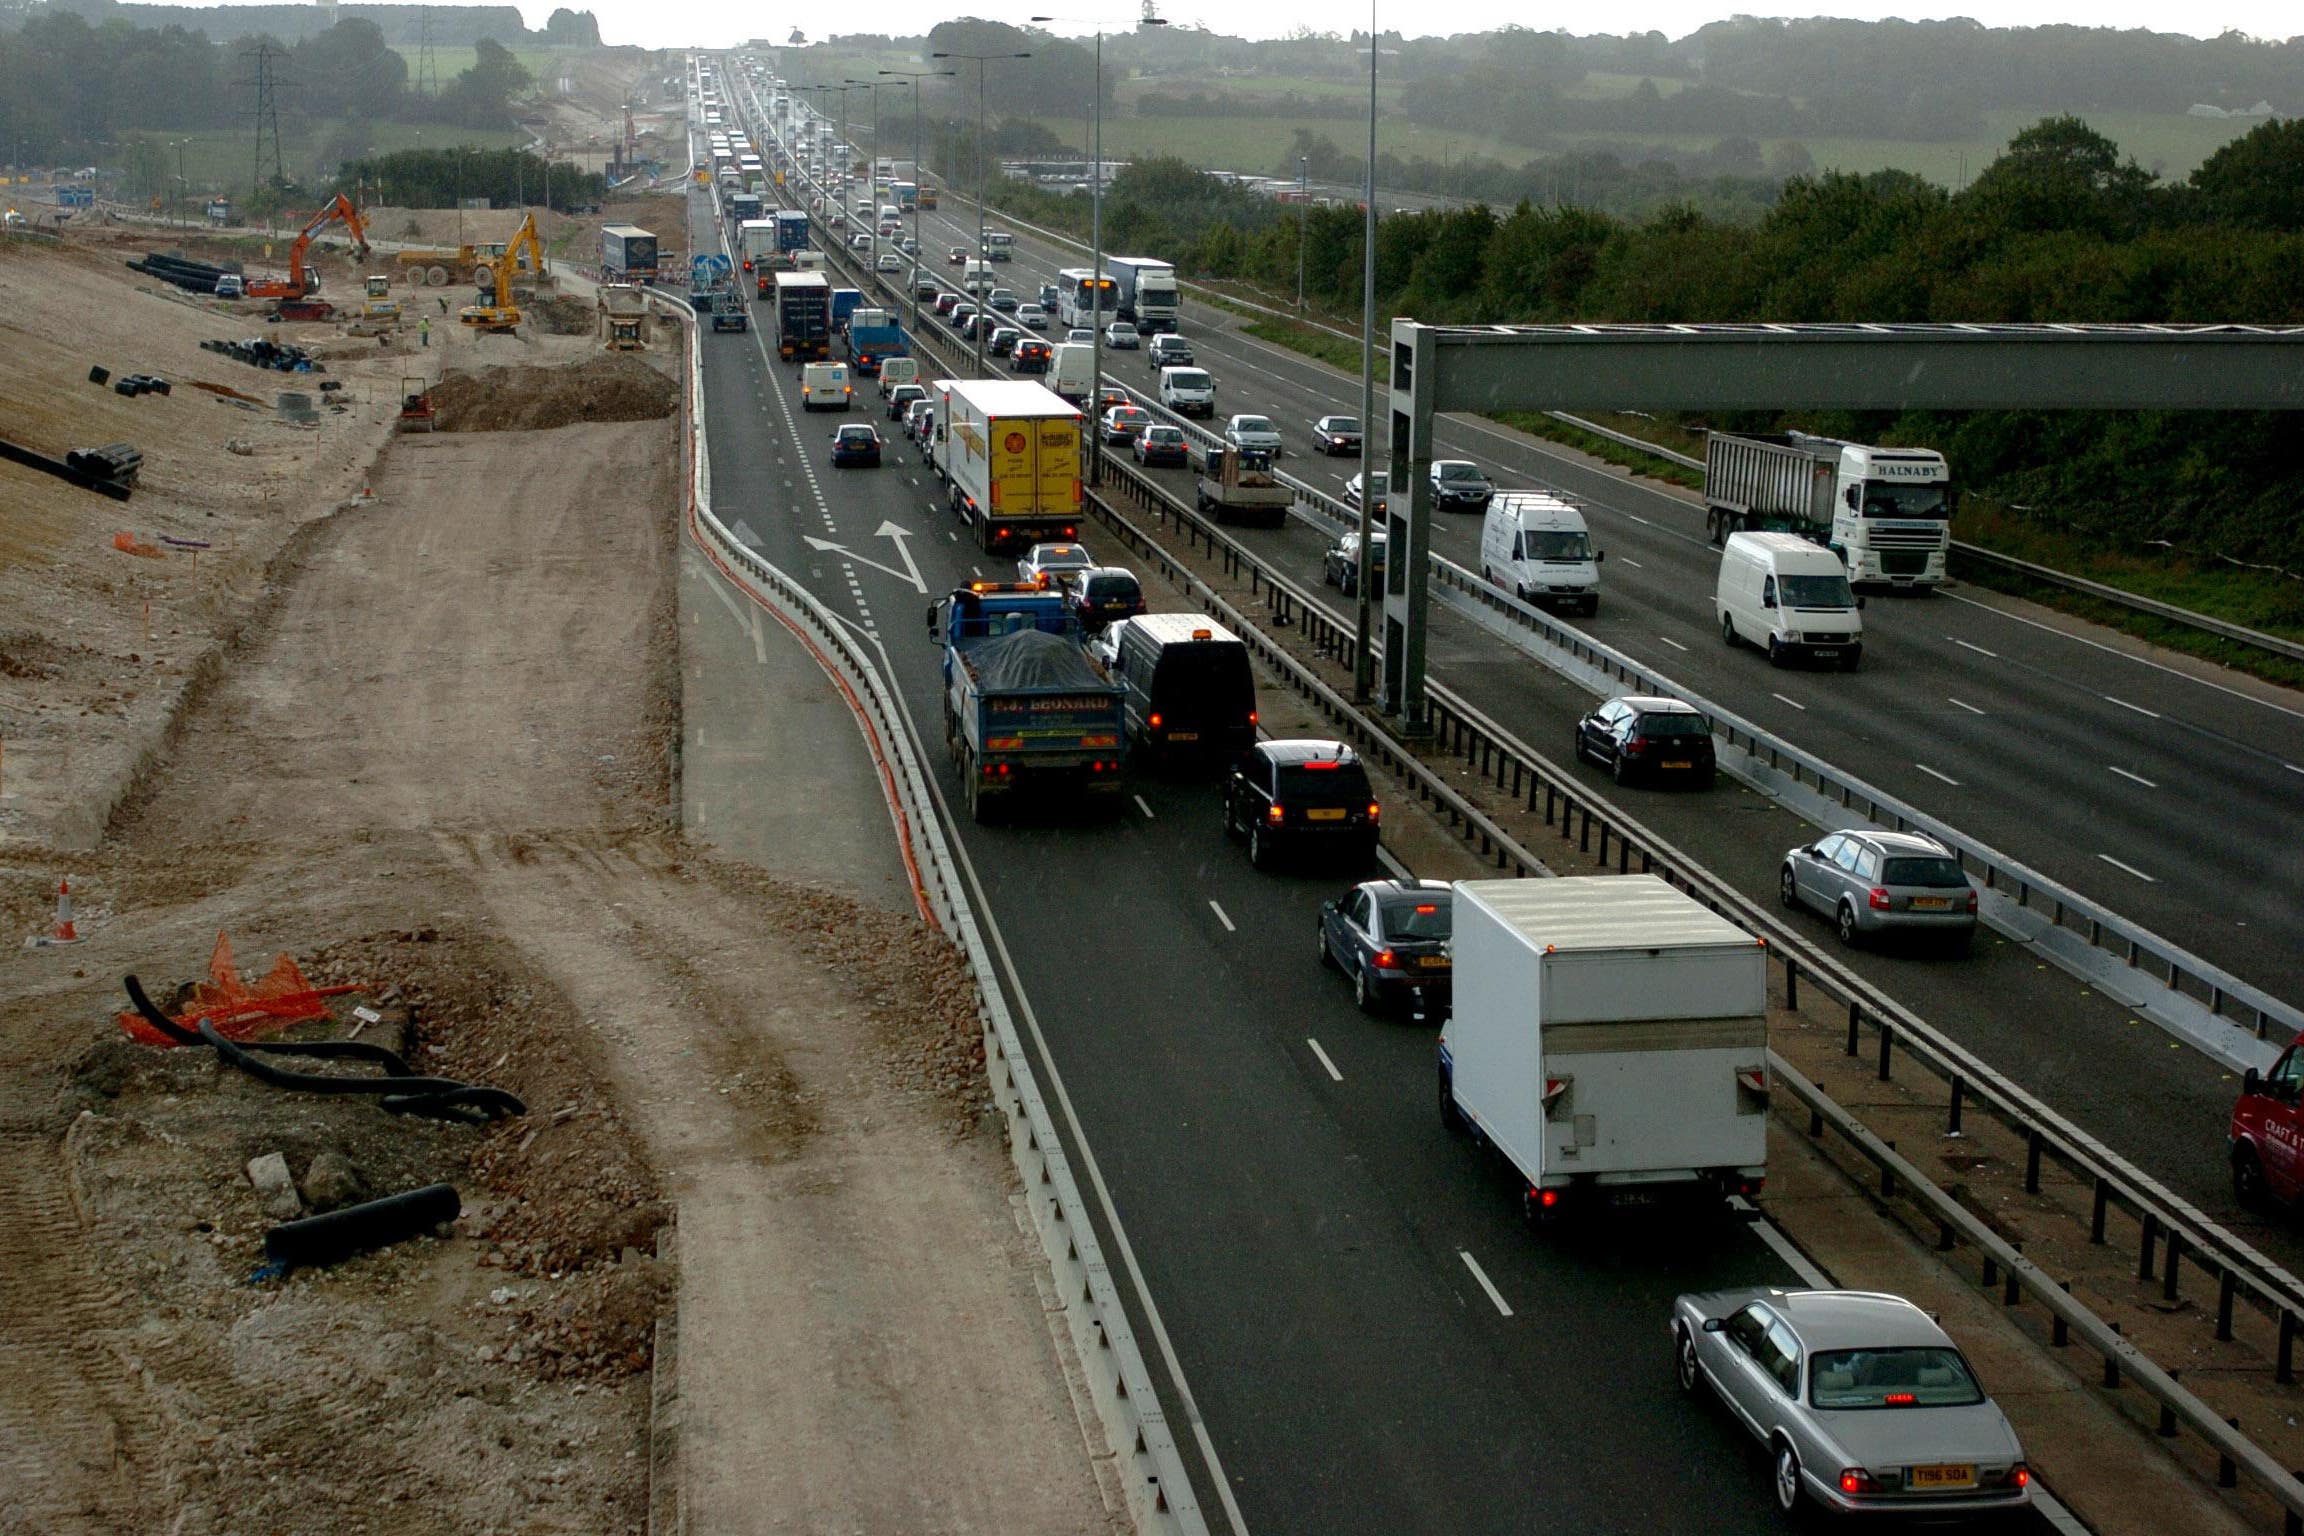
(1609, 1038)
(1010, 451)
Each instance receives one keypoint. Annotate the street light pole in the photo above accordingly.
(1363, 662)
(872, 170)
(1096, 279)
(1303, 213)
(913, 77)
(981, 59)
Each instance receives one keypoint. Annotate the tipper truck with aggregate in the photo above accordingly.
(1609, 1038)
(1010, 451)
(1886, 512)
(1030, 718)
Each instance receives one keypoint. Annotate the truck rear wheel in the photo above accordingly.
(1450, 1115)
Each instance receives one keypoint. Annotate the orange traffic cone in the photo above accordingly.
(65, 932)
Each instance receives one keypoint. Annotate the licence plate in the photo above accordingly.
(1183, 735)
(1825, 651)
(1941, 1477)
(1679, 762)
(1634, 1197)
(1432, 962)
(1327, 813)
(1930, 903)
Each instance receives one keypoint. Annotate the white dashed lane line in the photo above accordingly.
(1934, 774)
(1486, 1284)
(2124, 704)
(1979, 650)
(1668, 640)
(1963, 704)
(2133, 778)
(1147, 810)
(1795, 703)
(2128, 868)
(1324, 1061)
(1220, 916)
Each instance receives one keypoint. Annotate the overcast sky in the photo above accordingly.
(721, 22)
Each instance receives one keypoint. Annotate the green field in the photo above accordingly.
(224, 159)
(450, 62)
(2169, 144)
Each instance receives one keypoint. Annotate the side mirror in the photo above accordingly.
(1714, 1324)
(1599, 555)
(2252, 1082)
(1854, 496)
(1767, 602)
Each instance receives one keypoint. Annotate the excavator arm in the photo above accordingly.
(340, 210)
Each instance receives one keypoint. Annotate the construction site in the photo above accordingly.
(341, 704)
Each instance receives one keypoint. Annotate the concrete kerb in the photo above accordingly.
(1160, 1493)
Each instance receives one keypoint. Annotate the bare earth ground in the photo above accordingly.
(435, 762)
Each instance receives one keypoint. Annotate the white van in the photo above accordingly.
(898, 370)
(1537, 547)
(1789, 597)
(825, 387)
(1072, 371)
(1188, 391)
(976, 276)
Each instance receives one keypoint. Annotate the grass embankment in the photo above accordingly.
(2261, 600)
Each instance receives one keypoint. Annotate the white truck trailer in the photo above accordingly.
(1609, 1038)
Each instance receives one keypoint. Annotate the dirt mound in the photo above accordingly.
(518, 398)
(559, 315)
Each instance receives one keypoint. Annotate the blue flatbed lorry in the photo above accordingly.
(873, 338)
(1030, 718)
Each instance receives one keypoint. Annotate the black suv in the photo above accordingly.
(1648, 737)
(1286, 795)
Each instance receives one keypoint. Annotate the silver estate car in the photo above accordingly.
(1865, 1405)
(1871, 883)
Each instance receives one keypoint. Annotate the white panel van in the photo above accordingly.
(825, 387)
(898, 370)
(1790, 598)
(1188, 391)
(1537, 547)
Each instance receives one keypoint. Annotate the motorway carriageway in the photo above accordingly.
(1372, 1338)
(2016, 729)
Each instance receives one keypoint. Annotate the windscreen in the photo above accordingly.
(1205, 681)
(1910, 1376)
(1941, 874)
(1189, 378)
(1300, 782)
(1816, 592)
(1547, 544)
(1460, 471)
(1674, 724)
(1883, 499)
(1406, 919)
(1344, 425)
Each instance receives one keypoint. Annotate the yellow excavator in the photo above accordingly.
(496, 313)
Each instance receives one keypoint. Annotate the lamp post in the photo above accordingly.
(872, 168)
(1363, 663)
(1096, 277)
(1303, 212)
(913, 77)
(980, 60)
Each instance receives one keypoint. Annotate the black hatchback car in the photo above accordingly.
(1292, 796)
(1103, 594)
(1641, 736)
(1390, 937)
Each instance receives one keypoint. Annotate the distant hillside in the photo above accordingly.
(452, 25)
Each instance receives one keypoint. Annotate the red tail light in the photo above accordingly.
(1386, 960)
(1636, 745)
(1857, 1480)
(1251, 717)
(1154, 720)
(1877, 899)
(1273, 814)
(747, 263)
(1546, 1199)
(1971, 899)
(2019, 1476)
(1375, 811)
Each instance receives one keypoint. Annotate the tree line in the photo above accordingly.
(2061, 227)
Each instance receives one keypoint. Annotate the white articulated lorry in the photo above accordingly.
(1609, 1038)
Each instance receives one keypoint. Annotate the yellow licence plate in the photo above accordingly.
(1941, 1477)
(1325, 813)
(1183, 735)
(1433, 962)
(1930, 903)
(1680, 763)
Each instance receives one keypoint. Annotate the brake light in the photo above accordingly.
(1971, 899)
(1324, 765)
(1877, 899)
(1899, 1400)
(1273, 813)
(1374, 810)
(747, 263)
(1546, 1199)
(1857, 1480)
(1386, 960)
(2019, 1476)
(1637, 744)
(1154, 721)
(1251, 717)
(1426, 911)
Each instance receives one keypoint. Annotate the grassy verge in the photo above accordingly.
(2257, 599)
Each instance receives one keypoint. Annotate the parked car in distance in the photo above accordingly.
(1003, 300)
(1080, 335)
(1458, 485)
(1121, 337)
(1168, 350)
(1103, 594)
(1864, 1402)
(1253, 432)
(947, 302)
(230, 286)
(1160, 443)
(1390, 937)
(1648, 737)
(901, 398)
(1122, 422)
(1340, 566)
(1048, 296)
(955, 255)
(1352, 491)
(860, 241)
(1031, 355)
(1292, 796)
(1032, 317)
(1337, 434)
(889, 261)
(1003, 340)
(1045, 564)
(856, 445)
(1874, 883)
(1111, 395)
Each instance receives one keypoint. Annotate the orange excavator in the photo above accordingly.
(302, 280)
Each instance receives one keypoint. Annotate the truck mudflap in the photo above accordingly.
(1676, 1191)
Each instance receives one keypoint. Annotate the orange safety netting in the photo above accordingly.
(238, 1011)
(129, 544)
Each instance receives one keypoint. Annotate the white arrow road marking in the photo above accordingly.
(845, 553)
(891, 531)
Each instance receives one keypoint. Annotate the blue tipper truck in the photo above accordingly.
(1030, 718)
(873, 337)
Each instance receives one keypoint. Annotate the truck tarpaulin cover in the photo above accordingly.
(1033, 658)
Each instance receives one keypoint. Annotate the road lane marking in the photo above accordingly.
(1972, 709)
(2142, 661)
(1147, 810)
(2293, 767)
(1795, 703)
(1979, 650)
(1636, 565)
(1486, 1284)
(1932, 773)
(2130, 868)
(1636, 517)
(2124, 704)
(1324, 1061)
(1220, 917)
(1668, 640)
(2134, 778)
